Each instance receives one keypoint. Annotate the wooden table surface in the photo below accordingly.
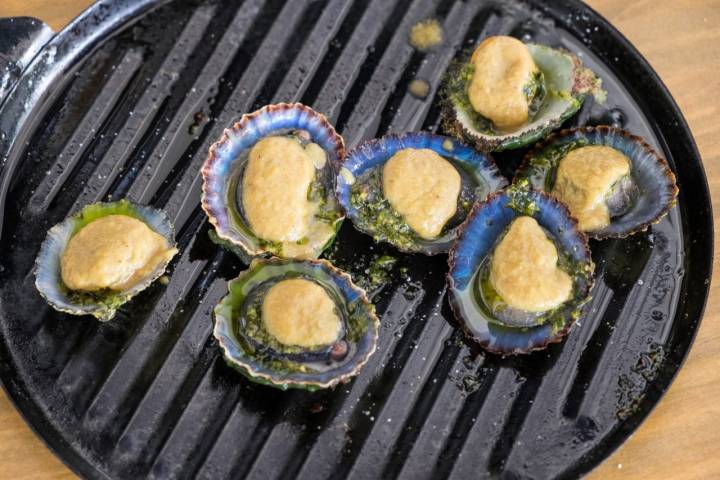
(681, 438)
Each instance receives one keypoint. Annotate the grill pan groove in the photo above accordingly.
(373, 92)
(84, 134)
(145, 111)
(471, 409)
(336, 46)
(404, 14)
(450, 358)
(308, 59)
(441, 411)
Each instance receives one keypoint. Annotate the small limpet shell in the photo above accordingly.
(479, 177)
(224, 167)
(566, 83)
(102, 305)
(263, 365)
(476, 242)
(657, 190)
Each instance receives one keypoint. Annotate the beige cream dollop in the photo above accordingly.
(585, 176)
(300, 312)
(423, 187)
(426, 34)
(524, 270)
(275, 187)
(503, 67)
(115, 252)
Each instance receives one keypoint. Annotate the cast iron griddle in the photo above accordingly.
(125, 103)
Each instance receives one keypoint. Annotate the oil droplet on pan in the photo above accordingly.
(419, 88)
(426, 34)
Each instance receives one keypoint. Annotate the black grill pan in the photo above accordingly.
(125, 102)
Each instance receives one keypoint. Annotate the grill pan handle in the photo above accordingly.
(21, 38)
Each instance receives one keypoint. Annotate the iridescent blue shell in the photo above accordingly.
(476, 243)
(101, 305)
(226, 162)
(656, 188)
(302, 370)
(478, 172)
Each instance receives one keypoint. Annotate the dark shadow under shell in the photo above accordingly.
(654, 183)
(476, 242)
(479, 176)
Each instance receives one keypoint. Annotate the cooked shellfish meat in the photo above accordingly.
(114, 252)
(585, 179)
(520, 271)
(509, 93)
(524, 269)
(413, 190)
(295, 324)
(300, 312)
(423, 187)
(613, 182)
(501, 85)
(279, 174)
(268, 183)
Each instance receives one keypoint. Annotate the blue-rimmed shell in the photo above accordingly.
(360, 196)
(476, 242)
(102, 305)
(309, 370)
(654, 191)
(565, 83)
(224, 167)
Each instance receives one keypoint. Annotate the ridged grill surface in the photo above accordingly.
(148, 395)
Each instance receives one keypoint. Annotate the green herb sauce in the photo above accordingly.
(377, 215)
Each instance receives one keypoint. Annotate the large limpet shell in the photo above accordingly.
(228, 156)
(478, 172)
(566, 83)
(650, 172)
(476, 242)
(102, 305)
(361, 326)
